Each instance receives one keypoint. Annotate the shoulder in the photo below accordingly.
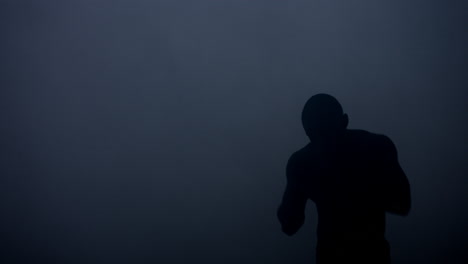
(384, 143)
(296, 160)
(301, 154)
(296, 157)
(376, 142)
(363, 135)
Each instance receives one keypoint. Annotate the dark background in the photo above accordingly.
(138, 131)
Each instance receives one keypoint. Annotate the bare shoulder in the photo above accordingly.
(296, 161)
(369, 138)
(296, 157)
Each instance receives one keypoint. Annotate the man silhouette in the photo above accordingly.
(354, 178)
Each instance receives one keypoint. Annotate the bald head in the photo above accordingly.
(323, 117)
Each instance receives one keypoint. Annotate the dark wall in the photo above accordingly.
(158, 131)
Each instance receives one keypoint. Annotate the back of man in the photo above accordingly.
(354, 178)
(344, 184)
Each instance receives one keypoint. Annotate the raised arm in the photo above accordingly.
(291, 211)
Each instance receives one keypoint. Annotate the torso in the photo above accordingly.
(342, 182)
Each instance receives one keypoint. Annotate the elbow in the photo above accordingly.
(400, 210)
(289, 231)
(406, 208)
(289, 224)
(404, 212)
(292, 226)
(400, 205)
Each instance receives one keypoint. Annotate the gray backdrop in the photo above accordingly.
(138, 131)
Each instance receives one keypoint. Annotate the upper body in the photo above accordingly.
(354, 178)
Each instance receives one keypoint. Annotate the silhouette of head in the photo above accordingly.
(323, 118)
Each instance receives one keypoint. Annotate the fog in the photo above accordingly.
(158, 131)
